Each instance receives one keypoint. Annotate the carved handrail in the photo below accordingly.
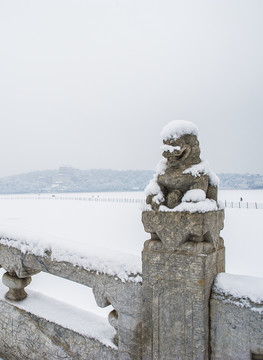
(124, 296)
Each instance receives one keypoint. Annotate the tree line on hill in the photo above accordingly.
(67, 179)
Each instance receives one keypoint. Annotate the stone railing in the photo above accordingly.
(236, 312)
(165, 316)
(125, 297)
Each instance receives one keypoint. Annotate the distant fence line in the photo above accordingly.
(241, 205)
(97, 198)
(82, 198)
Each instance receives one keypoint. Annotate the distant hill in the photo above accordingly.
(241, 181)
(67, 179)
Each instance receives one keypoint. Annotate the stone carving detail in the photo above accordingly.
(182, 198)
(176, 230)
(176, 174)
(14, 262)
(102, 301)
(113, 320)
(17, 275)
(100, 296)
(16, 286)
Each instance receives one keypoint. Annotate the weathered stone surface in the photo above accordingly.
(176, 292)
(25, 336)
(15, 265)
(236, 331)
(176, 228)
(16, 286)
(126, 297)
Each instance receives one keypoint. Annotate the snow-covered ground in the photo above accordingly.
(114, 228)
(247, 195)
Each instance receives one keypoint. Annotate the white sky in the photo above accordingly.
(91, 83)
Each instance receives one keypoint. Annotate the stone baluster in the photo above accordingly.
(17, 275)
(103, 301)
(113, 320)
(125, 318)
(16, 286)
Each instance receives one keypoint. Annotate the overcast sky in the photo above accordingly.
(91, 83)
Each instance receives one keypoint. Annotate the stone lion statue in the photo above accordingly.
(181, 176)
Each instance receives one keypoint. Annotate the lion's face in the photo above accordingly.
(182, 151)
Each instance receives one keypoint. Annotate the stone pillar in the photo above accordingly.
(180, 263)
(185, 251)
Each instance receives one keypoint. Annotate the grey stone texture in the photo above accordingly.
(16, 287)
(176, 293)
(176, 229)
(25, 336)
(125, 297)
(236, 330)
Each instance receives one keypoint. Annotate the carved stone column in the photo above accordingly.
(176, 290)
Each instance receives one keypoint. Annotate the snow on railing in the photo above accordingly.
(115, 287)
(96, 198)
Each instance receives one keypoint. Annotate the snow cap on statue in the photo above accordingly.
(177, 128)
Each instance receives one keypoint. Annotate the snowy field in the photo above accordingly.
(114, 229)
